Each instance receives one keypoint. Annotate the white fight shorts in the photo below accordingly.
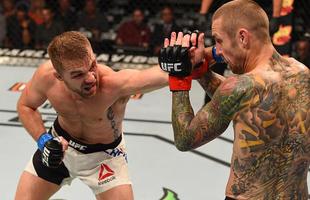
(100, 166)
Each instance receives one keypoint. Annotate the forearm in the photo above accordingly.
(190, 130)
(155, 79)
(31, 120)
(210, 82)
(182, 115)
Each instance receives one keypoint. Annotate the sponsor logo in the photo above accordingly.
(116, 152)
(76, 145)
(106, 174)
(169, 195)
(33, 58)
(171, 67)
(45, 155)
(107, 180)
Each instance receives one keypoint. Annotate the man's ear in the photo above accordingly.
(243, 35)
(58, 76)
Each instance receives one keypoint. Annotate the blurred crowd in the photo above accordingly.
(111, 26)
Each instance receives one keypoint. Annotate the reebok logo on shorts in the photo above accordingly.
(106, 174)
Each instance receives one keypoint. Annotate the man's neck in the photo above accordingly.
(258, 56)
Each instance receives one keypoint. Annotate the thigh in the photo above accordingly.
(31, 187)
(121, 192)
(104, 170)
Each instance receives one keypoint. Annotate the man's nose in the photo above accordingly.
(90, 77)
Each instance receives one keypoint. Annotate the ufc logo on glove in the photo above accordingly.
(175, 61)
(170, 67)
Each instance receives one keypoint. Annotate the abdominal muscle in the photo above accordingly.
(90, 130)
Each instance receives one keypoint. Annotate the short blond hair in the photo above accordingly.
(71, 45)
(244, 14)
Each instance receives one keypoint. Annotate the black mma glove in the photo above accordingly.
(51, 150)
(176, 61)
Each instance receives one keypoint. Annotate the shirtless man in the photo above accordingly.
(90, 101)
(268, 101)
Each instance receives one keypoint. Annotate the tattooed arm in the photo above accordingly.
(192, 131)
(210, 82)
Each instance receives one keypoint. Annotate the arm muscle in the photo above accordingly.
(192, 131)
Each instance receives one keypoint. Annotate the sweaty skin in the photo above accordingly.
(97, 119)
(270, 110)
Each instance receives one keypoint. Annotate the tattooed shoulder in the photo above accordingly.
(234, 94)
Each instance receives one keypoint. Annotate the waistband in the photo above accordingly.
(81, 146)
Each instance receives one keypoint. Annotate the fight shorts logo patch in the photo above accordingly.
(117, 152)
(77, 146)
(105, 174)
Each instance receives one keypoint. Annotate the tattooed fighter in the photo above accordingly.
(268, 101)
(90, 100)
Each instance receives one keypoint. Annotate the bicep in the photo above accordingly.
(33, 95)
(213, 119)
(209, 122)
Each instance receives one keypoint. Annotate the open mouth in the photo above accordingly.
(89, 88)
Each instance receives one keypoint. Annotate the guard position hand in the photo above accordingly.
(175, 59)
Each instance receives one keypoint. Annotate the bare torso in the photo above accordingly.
(94, 120)
(271, 153)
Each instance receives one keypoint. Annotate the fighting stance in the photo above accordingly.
(86, 140)
(268, 101)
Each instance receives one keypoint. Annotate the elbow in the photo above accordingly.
(185, 141)
(21, 107)
(182, 147)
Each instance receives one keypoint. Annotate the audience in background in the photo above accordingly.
(303, 51)
(2, 28)
(8, 8)
(163, 29)
(36, 11)
(20, 29)
(129, 32)
(134, 32)
(48, 29)
(92, 23)
(66, 14)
